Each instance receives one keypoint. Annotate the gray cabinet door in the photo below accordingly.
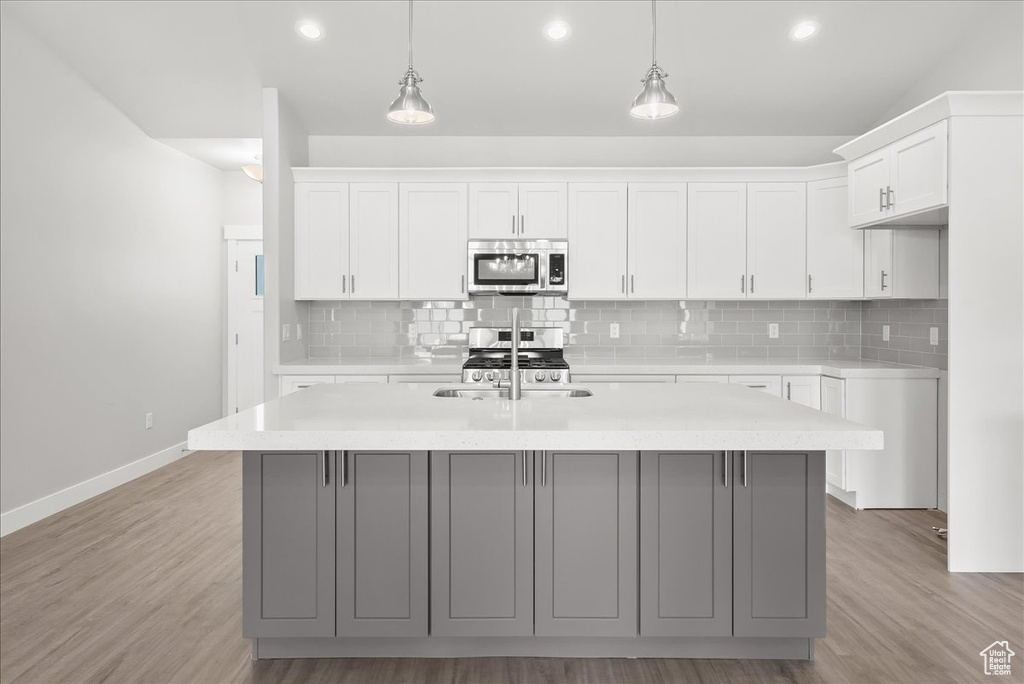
(586, 529)
(288, 544)
(685, 544)
(779, 544)
(382, 543)
(481, 544)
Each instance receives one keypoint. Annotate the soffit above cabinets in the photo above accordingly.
(190, 70)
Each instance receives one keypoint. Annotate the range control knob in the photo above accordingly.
(540, 376)
(477, 375)
(490, 376)
(556, 376)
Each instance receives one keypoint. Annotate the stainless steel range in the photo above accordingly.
(540, 356)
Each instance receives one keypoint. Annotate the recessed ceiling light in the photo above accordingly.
(804, 30)
(557, 30)
(310, 30)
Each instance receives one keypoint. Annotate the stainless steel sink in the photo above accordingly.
(528, 392)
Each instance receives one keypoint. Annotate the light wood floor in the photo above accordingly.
(143, 584)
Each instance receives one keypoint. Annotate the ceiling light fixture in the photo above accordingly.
(254, 171)
(804, 30)
(654, 101)
(557, 30)
(310, 30)
(410, 107)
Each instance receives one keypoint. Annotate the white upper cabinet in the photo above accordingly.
(919, 170)
(657, 241)
(835, 254)
(597, 240)
(493, 211)
(776, 240)
(902, 264)
(321, 240)
(373, 241)
(433, 225)
(543, 212)
(901, 181)
(716, 240)
(508, 211)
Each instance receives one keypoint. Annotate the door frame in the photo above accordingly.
(233, 234)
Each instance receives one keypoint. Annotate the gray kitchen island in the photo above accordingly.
(678, 521)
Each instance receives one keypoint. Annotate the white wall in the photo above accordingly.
(243, 200)
(986, 326)
(428, 150)
(110, 282)
(285, 144)
(990, 57)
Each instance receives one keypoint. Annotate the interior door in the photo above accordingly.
(543, 211)
(373, 270)
(248, 323)
(657, 240)
(597, 240)
(835, 253)
(776, 240)
(716, 240)
(493, 211)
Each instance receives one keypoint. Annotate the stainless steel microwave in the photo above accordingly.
(518, 267)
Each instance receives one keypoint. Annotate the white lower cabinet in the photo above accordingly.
(694, 379)
(833, 402)
(769, 384)
(423, 378)
(802, 389)
(584, 378)
(294, 383)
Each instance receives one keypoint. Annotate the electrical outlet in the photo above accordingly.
(885, 333)
(298, 331)
(149, 421)
(933, 336)
(286, 332)
(613, 331)
(773, 331)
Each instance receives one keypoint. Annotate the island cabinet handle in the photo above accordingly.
(744, 468)
(725, 467)
(326, 460)
(344, 468)
(525, 482)
(543, 469)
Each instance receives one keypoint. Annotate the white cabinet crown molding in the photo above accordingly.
(949, 103)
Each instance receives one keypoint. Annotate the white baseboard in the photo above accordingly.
(75, 494)
(848, 498)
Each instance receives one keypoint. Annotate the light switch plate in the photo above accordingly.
(933, 336)
(298, 331)
(149, 421)
(885, 333)
(773, 331)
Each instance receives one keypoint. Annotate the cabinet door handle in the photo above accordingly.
(522, 224)
(513, 224)
(462, 284)
(344, 468)
(744, 468)
(751, 283)
(809, 288)
(725, 468)
(889, 198)
(353, 288)
(789, 390)
(884, 274)
(343, 281)
(632, 283)
(623, 283)
(525, 480)
(324, 475)
(543, 469)
(743, 284)
(881, 199)
(758, 386)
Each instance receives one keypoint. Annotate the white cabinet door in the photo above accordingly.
(835, 252)
(776, 240)
(432, 240)
(701, 379)
(321, 240)
(869, 182)
(373, 225)
(414, 378)
(716, 240)
(657, 241)
(543, 211)
(493, 211)
(802, 389)
(597, 240)
(769, 384)
(294, 383)
(878, 263)
(919, 170)
(833, 402)
(372, 379)
(590, 378)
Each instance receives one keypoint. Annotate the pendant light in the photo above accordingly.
(654, 101)
(410, 107)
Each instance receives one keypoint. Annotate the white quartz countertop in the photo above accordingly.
(618, 417)
(837, 368)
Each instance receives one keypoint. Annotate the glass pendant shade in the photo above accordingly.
(410, 107)
(654, 101)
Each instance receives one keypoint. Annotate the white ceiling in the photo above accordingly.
(195, 69)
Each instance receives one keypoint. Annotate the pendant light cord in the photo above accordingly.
(410, 34)
(654, 32)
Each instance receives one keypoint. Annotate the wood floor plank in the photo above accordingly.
(143, 584)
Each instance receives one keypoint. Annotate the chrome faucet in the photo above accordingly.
(515, 389)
